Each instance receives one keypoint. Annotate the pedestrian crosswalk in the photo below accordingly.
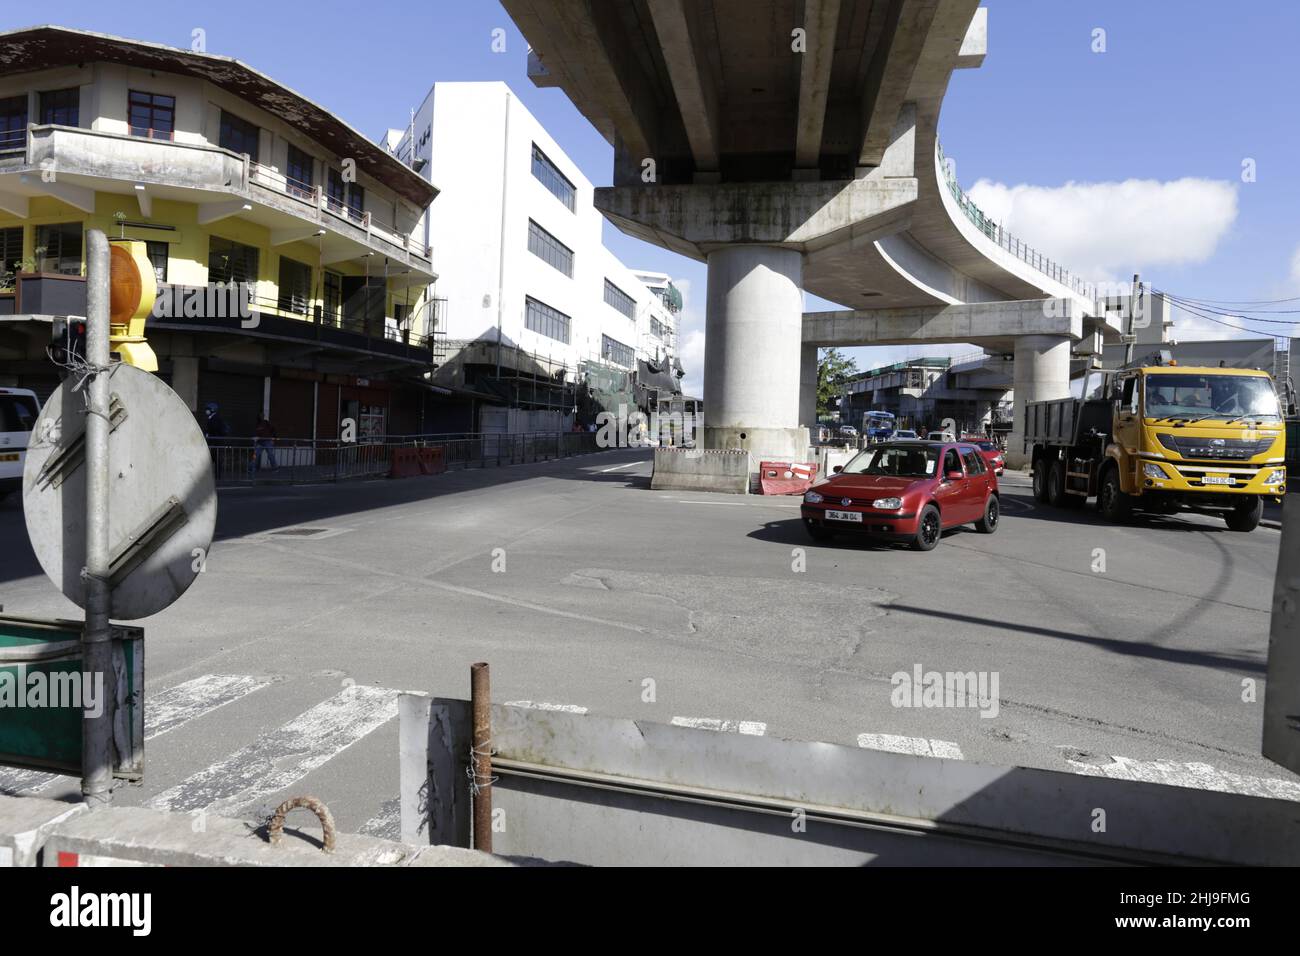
(242, 781)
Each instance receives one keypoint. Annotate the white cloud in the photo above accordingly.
(690, 340)
(1107, 231)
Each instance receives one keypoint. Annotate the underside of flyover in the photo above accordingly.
(791, 145)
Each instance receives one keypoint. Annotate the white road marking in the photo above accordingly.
(543, 705)
(753, 728)
(1201, 776)
(617, 467)
(284, 756)
(164, 711)
(917, 746)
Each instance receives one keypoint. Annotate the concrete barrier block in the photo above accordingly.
(701, 469)
(26, 823)
(136, 836)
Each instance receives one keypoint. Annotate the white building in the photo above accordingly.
(520, 257)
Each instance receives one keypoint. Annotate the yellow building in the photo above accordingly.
(230, 178)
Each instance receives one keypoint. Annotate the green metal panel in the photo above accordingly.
(34, 651)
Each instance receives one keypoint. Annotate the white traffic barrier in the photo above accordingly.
(25, 825)
(136, 836)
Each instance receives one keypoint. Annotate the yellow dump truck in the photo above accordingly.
(1157, 437)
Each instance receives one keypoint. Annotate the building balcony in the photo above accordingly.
(220, 183)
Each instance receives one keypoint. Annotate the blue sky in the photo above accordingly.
(1036, 132)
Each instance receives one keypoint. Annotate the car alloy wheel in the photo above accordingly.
(930, 528)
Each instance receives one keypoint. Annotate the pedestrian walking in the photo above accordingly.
(263, 442)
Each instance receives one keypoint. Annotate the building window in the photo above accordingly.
(61, 107)
(344, 198)
(231, 261)
(615, 351)
(157, 253)
(239, 136)
(58, 248)
(552, 178)
(333, 296)
(660, 330)
(295, 286)
(298, 174)
(620, 300)
(549, 249)
(11, 253)
(152, 115)
(544, 320)
(13, 123)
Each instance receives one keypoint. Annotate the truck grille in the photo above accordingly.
(1216, 448)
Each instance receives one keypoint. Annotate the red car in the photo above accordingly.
(899, 491)
(992, 454)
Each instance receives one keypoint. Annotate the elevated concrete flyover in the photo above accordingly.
(791, 145)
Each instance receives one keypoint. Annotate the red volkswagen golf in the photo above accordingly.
(905, 491)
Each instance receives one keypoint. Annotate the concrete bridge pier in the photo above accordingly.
(754, 330)
(1042, 372)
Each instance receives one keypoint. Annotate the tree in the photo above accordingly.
(834, 368)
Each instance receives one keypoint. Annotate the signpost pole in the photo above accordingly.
(97, 732)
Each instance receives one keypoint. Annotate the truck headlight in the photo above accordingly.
(887, 504)
(812, 497)
(1276, 476)
(1152, 470)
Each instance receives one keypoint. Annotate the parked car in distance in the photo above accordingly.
(905, 434)
(18, 410)
(992, 454)
(848, 430)
(907, 492)
(940, 436)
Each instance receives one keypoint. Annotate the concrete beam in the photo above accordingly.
(145, 200)
(976, 42)
(214, 212)
(78, 196)
(821, 21)
(997, 324)
(330, 258)
(282, 237)
(806, 216)
(889, 74)
(693, 83)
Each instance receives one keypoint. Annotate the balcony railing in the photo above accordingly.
(1022, 251)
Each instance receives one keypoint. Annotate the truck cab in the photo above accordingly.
(1158, 437)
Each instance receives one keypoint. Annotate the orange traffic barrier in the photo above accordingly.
(404, 463)
(433, 461)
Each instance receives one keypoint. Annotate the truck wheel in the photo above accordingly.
(992, 513)
(1245, 517)
(928, 530)
(1040, 480)
(1113, 504)
(1056, 488)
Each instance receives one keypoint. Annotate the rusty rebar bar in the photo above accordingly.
(480, 696)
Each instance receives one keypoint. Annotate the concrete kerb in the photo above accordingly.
(26, 823)
(702, 469)
(136, 836)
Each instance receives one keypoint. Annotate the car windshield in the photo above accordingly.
(1195, 396)
(986, 445)
(17, 413)
(905, 461)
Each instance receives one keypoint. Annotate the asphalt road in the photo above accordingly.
(276, 673)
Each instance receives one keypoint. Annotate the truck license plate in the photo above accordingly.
(1217, 480)
(844, 516)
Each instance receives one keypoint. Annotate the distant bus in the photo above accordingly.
(877, 425)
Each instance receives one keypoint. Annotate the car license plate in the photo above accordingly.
(1217, 480)
(844, 516)
(12, 456)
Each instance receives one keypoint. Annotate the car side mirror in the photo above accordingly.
(837, 469)
(954, 476)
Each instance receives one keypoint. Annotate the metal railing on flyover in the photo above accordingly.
(248, 460)
(1022, 251)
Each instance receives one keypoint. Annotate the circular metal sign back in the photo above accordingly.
(162, 499)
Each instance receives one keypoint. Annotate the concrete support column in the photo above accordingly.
(808, 385)
(1042, 371)
(753, 351)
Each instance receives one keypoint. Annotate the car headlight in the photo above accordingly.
(812, 497)
(888, 504)
(1152, 470)
(1276, 476)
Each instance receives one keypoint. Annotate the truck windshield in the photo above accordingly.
(1195, 396)
(906, 461)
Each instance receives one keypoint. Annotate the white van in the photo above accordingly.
(18, 411)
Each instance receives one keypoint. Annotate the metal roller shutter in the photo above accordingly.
(239, 398)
